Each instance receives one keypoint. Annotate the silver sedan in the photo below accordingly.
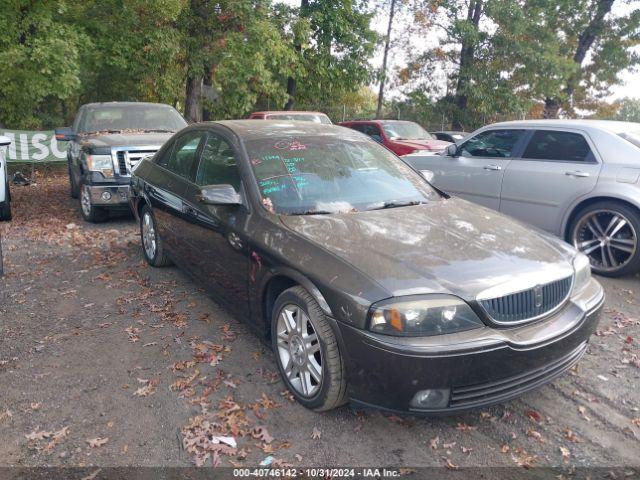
(578, 179)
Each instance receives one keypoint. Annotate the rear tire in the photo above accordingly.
(307, 352)
(73, 187)
(152, 245)
(90, 212)
(608, 232)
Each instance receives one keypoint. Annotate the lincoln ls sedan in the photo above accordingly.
(371, 285)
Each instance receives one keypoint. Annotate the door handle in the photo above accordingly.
(577, 173)
(190, 211)
(492, 167)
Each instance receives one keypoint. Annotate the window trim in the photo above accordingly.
(236, 155)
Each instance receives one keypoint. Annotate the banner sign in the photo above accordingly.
(29, 147)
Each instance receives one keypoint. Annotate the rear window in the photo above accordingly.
(300, 117)
(561, 146)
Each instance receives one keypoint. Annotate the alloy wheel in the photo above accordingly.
(299, 350)
(148, 236)
(85, 201)
(607, 237)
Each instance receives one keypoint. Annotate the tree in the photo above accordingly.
(628, 110)
(336, 43)
(40, 56)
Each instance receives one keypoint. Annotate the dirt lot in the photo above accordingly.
(107, 362)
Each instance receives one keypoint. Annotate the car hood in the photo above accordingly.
(125, 139)
(433, 145)
(448, 246)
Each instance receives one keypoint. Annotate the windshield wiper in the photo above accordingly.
(312, 212)
(159, 130)
(397, 203)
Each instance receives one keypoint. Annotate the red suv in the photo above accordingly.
(399, 136)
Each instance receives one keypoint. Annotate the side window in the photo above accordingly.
(183, 155)
(368, 129)
(218, 164)
(492, 143)
(554, 145)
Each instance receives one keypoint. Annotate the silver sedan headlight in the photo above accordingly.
(582, 275)
(424, 315)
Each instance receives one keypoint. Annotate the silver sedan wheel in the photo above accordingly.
(148, 236)
(607, 237)
(299, 350)
(85, 201)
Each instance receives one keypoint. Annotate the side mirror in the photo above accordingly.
(452, 150)
(4, 141)
(65, 134)
(219, 195)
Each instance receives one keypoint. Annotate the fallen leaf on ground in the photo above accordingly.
(97, 442)
(316, 434)
(433, 443)
(261, 433)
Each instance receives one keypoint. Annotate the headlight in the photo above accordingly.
(100, 163)
(422, 316)
(582, 268)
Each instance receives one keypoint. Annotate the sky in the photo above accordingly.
(630, 86)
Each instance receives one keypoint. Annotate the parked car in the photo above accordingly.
(5, 193)
(399, 136)
(450, 136)
(370, 284)
(578, 179)
(106, 142)
(300, 116)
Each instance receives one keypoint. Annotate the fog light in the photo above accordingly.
(106, 196)
(431, 399)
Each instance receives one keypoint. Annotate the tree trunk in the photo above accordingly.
(291, 82)
(193, 102)
(467, 54)
(383, 69)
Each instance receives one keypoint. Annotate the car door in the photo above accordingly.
(476, 170)
(557, 167)
(165, 185)
(216, 232)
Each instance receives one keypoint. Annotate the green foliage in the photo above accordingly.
(628, 110)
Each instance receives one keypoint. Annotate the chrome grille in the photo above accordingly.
(528, 304)
(127, 159)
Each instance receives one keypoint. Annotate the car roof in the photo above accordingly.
(382, 121)
(124, 104)
(255, 129)
(287, 112)
(609, 125)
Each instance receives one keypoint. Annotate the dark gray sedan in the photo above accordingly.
(371, 285)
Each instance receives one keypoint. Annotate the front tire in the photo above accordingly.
(152, 246)
(307, 352)
(607, 232)
(90, 212)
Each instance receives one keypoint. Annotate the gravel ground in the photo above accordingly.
(107, 362)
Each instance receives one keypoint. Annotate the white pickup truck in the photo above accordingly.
(5, 196)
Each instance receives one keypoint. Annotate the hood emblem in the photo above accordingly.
(537, 296)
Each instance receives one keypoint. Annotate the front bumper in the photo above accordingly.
(479, 367)
(109, 195)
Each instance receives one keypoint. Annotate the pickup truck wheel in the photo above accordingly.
(5, 210)
(90, 212)
(73, 187)
(152, 246)
(307, 352)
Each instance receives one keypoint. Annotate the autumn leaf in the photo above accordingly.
(97, 442)
(316, 434)
(433, 443)
(533, 415)
(565, 454)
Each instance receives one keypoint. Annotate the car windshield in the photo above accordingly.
(326, 174)
(406, 131)
(109, 118)
(300, 117)
(633, 137)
